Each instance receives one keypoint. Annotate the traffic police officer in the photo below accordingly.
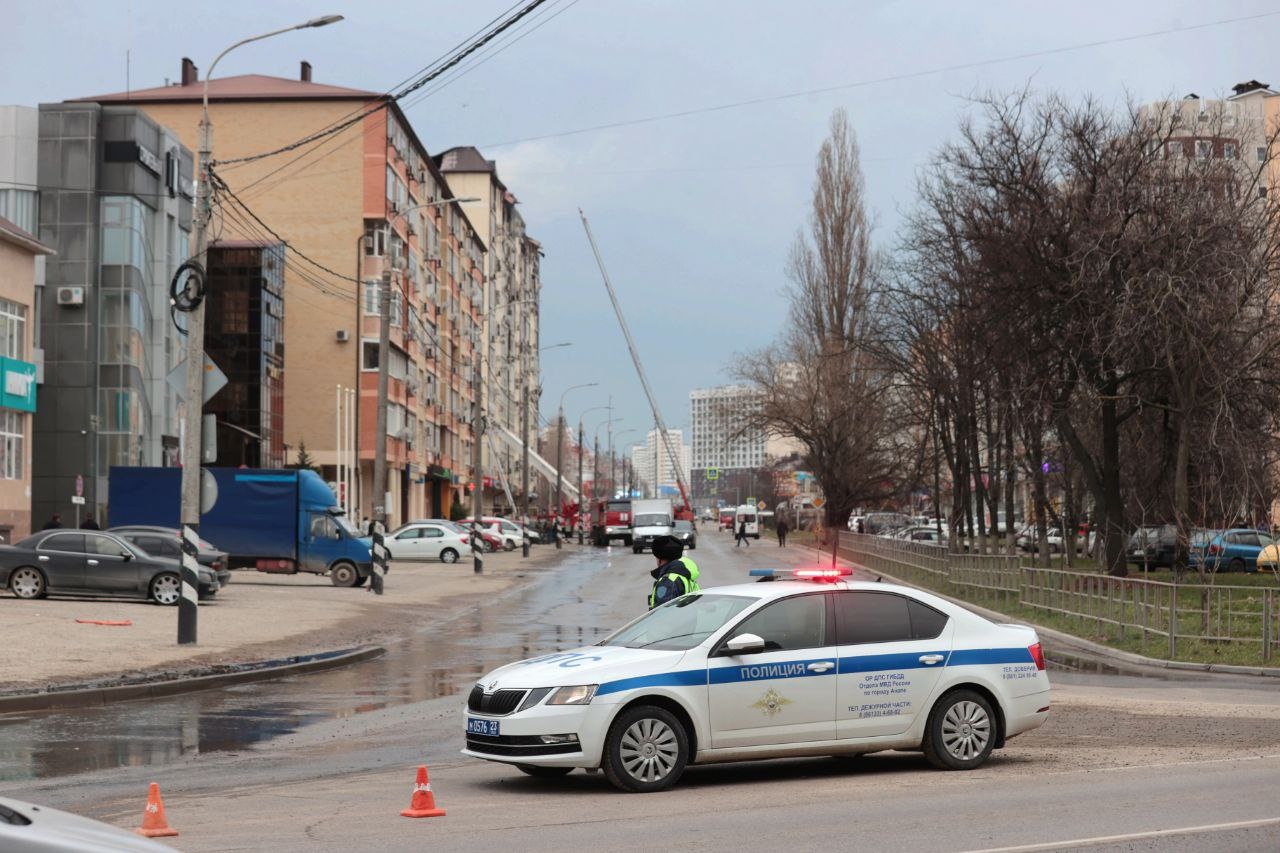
(676, 574)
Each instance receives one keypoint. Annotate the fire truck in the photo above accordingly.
(611, 520)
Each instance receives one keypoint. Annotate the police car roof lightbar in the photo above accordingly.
(803, 574)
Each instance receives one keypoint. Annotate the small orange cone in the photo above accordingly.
(153, 823)
(423, 803)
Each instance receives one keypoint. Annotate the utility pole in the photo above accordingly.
(191, 471)
(580, 495)
(524, 467)
(380, 436)
(477, 475)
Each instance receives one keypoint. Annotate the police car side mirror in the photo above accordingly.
(744, 644)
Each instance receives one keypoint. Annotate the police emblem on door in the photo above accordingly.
(771, 703)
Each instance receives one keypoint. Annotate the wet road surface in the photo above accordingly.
(593, 592)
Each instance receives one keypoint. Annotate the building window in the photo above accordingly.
(12, 430)
(13, 329)
(1261, 153)
(368, 355)
(21, 207)
(1204, 149)
(1229, 151)
(372, 306)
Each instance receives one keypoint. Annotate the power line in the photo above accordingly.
(330, 141)
(415, 86)
(874, 81)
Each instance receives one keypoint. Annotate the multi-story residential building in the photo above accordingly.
(364, 201)
(19, 251)
(115, 204)
(721, 438)
(651, 461)
(1237, 127)
(512, 290)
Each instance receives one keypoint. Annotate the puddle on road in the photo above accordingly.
(428, 665)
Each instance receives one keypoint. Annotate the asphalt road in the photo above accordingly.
(1127, 762)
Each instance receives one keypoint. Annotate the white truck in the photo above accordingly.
(747, 514)
(649, 520)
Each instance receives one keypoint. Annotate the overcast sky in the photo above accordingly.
(694, 214)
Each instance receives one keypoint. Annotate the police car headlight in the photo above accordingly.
(579, 695)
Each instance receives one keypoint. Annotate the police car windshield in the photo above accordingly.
(680, 624)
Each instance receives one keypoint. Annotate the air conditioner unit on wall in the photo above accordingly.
(342, 336)
(70, 295)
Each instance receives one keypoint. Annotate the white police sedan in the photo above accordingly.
(812, 664)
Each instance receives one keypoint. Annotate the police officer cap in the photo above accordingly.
(668, 548)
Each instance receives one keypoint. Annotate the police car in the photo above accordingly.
(810, 664)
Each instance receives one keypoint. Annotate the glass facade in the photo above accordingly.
(125, 326)
(244, 325)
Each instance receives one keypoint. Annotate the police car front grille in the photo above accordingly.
(527, 746)
(498, 703)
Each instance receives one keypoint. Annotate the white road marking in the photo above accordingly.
(1101, 840)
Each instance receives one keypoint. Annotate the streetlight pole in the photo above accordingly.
(187, 604)
(581, 442)
(560, 453)
(612, 460)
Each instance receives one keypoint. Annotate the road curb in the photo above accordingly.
(1088, 645)
(87, 697)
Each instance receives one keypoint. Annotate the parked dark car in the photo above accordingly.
(1153, 547)
(686, 533)
(167, 542)
(83, 561)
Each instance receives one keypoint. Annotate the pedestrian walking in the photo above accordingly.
(742, 535)
(54, 522)
(783, 529)
(89, 523)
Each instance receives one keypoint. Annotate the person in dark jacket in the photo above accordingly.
(89, 523)
(675, 574)
(54, 522)
(742, 535)
(783, 529)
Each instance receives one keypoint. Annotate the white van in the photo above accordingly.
(649, 520)
(747, 513)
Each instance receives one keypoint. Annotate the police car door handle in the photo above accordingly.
(930, 660)
(821, 666)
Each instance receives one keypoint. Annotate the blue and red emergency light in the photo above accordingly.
(818, 574)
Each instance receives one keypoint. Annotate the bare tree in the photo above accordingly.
(822, 382)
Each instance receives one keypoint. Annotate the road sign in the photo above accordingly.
(713, 473)
(818, 502)
(761, 505)
(79, 485)
(214, 379)
(78, 500)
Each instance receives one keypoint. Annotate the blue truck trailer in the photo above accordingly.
(279, 521)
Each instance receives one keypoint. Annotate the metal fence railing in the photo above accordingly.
(1154, 612)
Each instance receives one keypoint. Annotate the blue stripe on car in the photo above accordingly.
(800, 668)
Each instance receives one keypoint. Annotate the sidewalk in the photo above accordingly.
(256, 617)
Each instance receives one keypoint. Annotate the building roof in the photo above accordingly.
(245, 87)
(464, 158)
(11, 233)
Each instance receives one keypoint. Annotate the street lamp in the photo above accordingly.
(581, 441)
(384, 366)
(612, 436)
(195, 354)
(560, 446)
(524, 440)
(595, 454)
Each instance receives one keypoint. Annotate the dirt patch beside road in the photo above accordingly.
(256, 617)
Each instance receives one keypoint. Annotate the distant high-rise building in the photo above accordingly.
(722, 438)
(643, 462)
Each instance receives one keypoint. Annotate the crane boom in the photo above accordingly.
(635, 359)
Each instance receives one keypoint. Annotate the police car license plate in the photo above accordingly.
(482, 727)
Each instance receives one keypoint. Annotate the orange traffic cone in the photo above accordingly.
(153, 823)
(423, 803)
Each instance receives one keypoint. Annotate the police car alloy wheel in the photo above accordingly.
(961, 731)
(646, 751)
